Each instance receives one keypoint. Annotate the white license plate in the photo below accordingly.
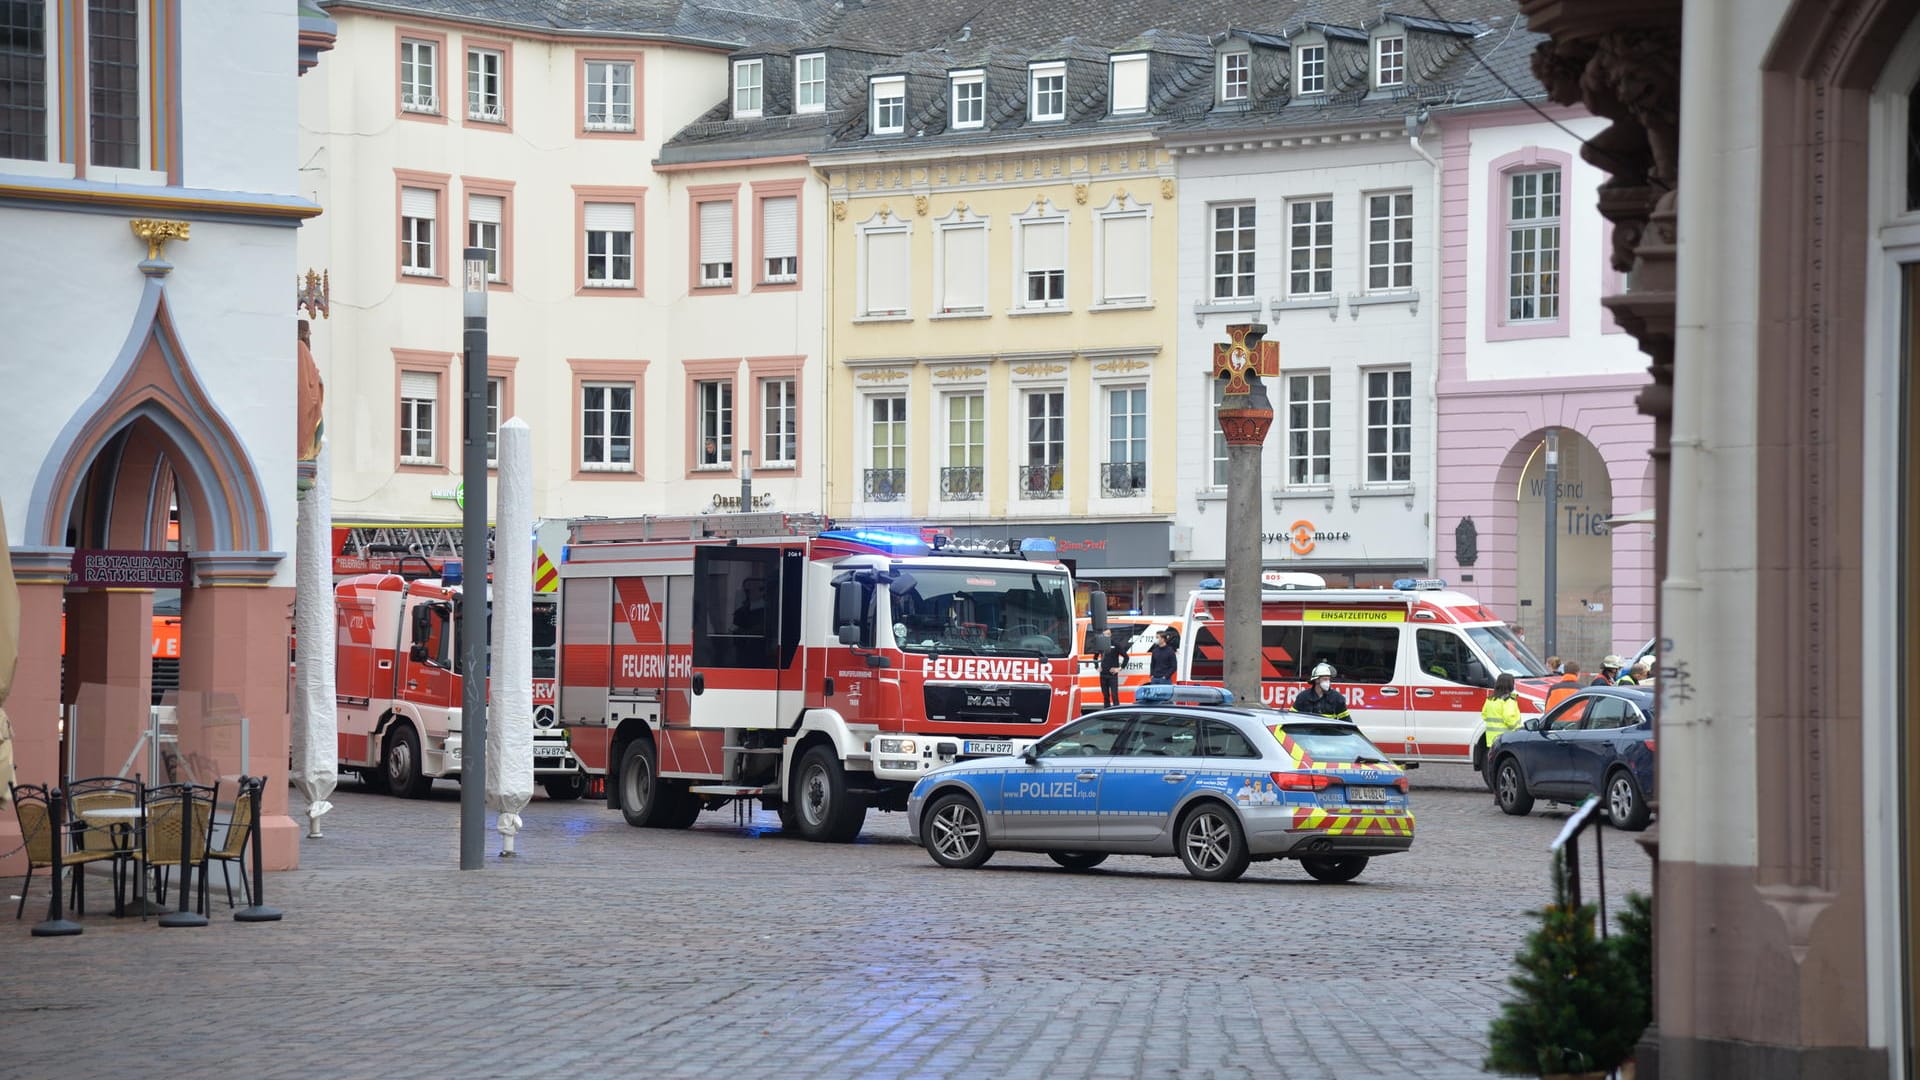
(543, 753)
(983, 746)
(1366, 794)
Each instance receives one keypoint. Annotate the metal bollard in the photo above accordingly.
(185, 916)
(57, 924)
(257, 911)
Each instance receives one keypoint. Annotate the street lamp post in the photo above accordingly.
(1551, 546)
(473, 546)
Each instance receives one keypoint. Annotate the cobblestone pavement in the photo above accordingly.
(733, 950)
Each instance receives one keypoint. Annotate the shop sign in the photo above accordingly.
(116, 569)
(457, 495)
(1303, 537)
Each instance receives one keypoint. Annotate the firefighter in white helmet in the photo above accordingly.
(1320, 698)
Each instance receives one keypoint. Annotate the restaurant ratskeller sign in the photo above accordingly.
(103, 569)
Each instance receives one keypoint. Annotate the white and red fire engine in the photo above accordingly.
(1414, 662)
(398, 684)
(819, 672)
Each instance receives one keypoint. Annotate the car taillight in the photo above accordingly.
(1296, 781)
(1648, 743)
(1402, 784)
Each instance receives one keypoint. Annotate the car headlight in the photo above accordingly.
(897, 746)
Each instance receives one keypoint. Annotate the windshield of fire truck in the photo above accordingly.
(1507, 651)
(991, 612)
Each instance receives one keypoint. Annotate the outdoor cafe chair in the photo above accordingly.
(164, 825)
(121, 839)
(33, 807)
(233, 846)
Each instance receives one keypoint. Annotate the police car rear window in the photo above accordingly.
(1329, 742)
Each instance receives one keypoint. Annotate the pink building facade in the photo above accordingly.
(1525, 348)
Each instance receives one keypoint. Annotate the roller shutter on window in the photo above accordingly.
(418, 203)
(886, 273)
(779, 227)
(1045, 245)
(485, 208)
(963, 268)
(716, 232)
(419, 385)
(609, 217)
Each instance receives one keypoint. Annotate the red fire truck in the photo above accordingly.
(819, 672)
(398, 683)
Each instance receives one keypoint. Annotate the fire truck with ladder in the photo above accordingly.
(770, 658)
(397, 659)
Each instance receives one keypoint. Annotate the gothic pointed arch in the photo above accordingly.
(150, 407)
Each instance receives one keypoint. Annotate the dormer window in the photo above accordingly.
(1047, 91)
(889, 104)
(1236, 75)
(1390, 61)
(1311, 60)
(748, 76)
(969, 108)
(1128, 92)
(810, 82)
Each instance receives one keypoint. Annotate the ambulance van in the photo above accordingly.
(1138, 631)
(1414, 662)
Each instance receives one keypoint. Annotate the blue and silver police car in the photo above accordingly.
(1220, 786)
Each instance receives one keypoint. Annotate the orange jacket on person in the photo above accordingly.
(1562, 690)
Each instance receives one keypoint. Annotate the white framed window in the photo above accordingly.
(963, 476)
(606, 427)
(486, 75)
(779, 423)
(609, 245)
(713, 411)
(29, 80)
(1310, 247)
(484, 213)
(884, 271)
(117, 86)
(1125, 242)
(1044, 474)
(716, 243)
(419, 207)
(963, 266)
(780, 239)
(1390, 61)
(1047, 91)
(1236, 76)
(609, 95)
(1390, 426)
(1310, 430)
(969, 90)
(496, 387)
(886, 473)
(419, 76)
(810, 82)
(1389, 242)
(1233, 233)
(1311, 61)
(1533, 245)
(889, 95)
(1123, 475)
(419, 413)
(748, 76)
(1127, 79)
(1040, 244)
(1217, 455)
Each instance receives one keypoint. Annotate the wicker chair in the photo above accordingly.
(164, 825)
(119, 840)
(233, 845)
(33, 807)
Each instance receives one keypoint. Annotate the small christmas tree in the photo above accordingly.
(1577, 1009)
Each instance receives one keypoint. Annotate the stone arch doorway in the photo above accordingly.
(1584, 602)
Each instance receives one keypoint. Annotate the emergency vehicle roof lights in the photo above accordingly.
(451, 572)
(1407, 584)
(901, 543)
(1039, 544)
(1213, 583)
(1182, 694)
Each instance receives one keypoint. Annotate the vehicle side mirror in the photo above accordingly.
(1537, 723)
(1029, 756)
(1097, 609)
(418, 654)
(849, 634)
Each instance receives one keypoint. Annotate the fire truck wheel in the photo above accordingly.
(403, 773)
(565, 788)
(641, 800)
(679, 808)
(375, 779)
(827, 811)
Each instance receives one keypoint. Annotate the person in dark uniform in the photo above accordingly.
(1320, 698)
(1113, 660)
(1162, 660)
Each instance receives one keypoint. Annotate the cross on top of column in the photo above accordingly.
(1245, 352)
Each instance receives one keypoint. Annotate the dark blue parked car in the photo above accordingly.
(1597, 742)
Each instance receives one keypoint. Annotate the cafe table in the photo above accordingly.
(122, 820)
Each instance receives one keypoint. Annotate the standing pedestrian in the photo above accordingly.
(1320, 698)
(1610, 666)
(1113, 659)
(1500, 714)
(1162, 661)
(1566, 687)
(1553, 666)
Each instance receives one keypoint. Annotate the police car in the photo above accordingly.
(1218, 785)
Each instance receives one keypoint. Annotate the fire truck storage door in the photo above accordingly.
(356, 672)
(586, 619)
(736, 636)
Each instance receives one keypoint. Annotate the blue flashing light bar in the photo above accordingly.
(1408, 584)
(1039, 544)
(1213, 583)
(451, 572)
(899, 543)
(1182, 694)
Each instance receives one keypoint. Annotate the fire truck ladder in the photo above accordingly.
(696, 527)
(429, 541)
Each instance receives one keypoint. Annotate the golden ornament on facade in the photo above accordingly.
(156, 233)
(885, 376)
(920, 205)
(1039, 369)
(840, 211)
(1080, 194)
(1166, 187)
(1120, 367)
(959, 372)
(959, 208)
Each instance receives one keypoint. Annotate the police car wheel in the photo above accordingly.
(1626, 807)
(954, 834)
(1510, 788)
(1078, 860)
(1335, 870)
(1212, 843)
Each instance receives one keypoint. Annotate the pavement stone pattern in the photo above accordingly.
(734, 950)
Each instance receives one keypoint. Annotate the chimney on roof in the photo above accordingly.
(966, 32)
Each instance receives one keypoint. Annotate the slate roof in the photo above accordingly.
(726, 24)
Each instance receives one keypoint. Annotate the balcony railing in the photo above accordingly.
(962, 484)
(1123, 479)
(886, 485)
(1041, 482)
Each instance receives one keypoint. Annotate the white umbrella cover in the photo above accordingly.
(510, 715)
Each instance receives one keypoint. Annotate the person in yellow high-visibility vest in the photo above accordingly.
(1500, 714)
